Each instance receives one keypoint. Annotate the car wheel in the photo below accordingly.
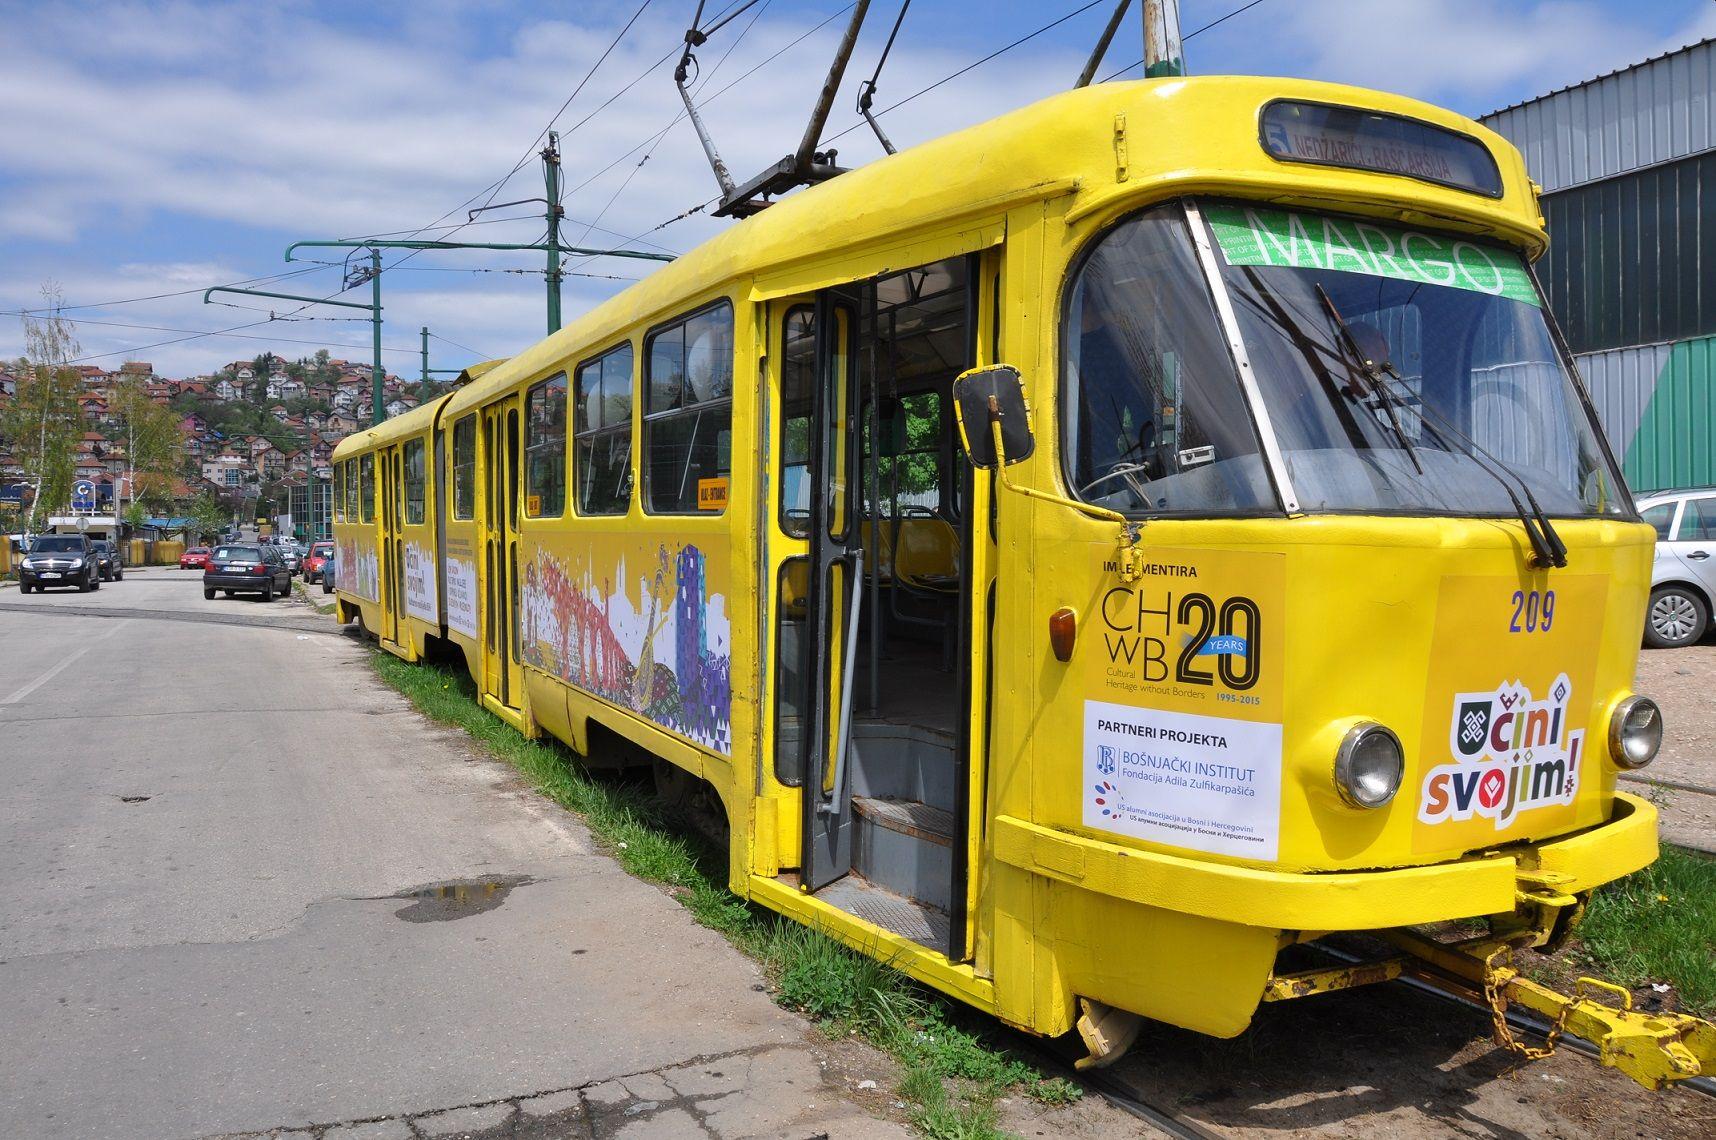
(268, 592)
(232, 593)
(86, 585)
(1677, 616)
(208, 593)
(327, 588)
(95, 581)
(24, 587)
(119, 575)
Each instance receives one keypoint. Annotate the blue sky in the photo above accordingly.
(159, 148)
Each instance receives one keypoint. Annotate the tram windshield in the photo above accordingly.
(1400, 372)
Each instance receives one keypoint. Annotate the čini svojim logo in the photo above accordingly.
(1511, 753)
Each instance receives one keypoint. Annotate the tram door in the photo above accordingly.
(388, 547)
(833, 597)
(503, 676)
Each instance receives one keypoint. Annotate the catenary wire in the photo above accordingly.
(1219, 20)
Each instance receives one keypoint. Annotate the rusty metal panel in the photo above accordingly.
(1652, 112)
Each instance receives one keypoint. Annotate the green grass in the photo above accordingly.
(954, 1074)
(1658, 925)
(304, 592)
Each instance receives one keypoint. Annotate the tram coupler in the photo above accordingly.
(1653, 1049)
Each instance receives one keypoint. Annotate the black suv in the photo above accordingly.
(109, 560)
(60, 560)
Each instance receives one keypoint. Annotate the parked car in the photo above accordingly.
(109, 560)
(247, 569)
(328, 569)
(60, 560)
(321, 553)
(1683, 579)
(291, 556)
(196, 558)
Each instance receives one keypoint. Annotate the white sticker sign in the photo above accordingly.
(420, 583)
(461, 595)
(1205, 783)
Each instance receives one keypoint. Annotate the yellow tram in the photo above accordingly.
(1086, 555)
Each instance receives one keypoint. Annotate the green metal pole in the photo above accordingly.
(425, 354)
(375, 413)
(551, 177)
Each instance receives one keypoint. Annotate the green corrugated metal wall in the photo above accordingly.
(1673, 444)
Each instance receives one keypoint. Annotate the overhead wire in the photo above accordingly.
(462, 347)
(1079, 11)
(702, 82)
(233, 336)
(160, 296)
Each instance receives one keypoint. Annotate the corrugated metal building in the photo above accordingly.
(1627, 163)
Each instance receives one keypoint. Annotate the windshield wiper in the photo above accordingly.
(1373, 372)
(1546, 545)
(1548, 550)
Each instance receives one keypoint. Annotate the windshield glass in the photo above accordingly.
(1154, 417)
(239, 554)
(1405, 371)
(57, 544)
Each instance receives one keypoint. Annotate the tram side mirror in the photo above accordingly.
(986, 395)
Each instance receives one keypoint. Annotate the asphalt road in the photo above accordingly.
(244, 887)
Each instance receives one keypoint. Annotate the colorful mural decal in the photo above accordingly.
(461, 577)
(656, 641)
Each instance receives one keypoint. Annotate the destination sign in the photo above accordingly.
(1369, 140)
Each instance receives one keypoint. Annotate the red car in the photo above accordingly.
(196, 558)
(321, 553)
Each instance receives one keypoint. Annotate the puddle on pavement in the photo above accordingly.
(457, 898)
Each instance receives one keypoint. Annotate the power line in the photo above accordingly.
(232, 336)
(972, 66)
(456, 344)
(1189, 35)
(159, 296)
(731, 48)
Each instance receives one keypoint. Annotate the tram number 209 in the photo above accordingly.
(1216, 640)
(1533, 612)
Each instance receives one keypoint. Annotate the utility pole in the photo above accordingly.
(373, 273)
(554, 212)
(428, 371)
(1162, 52)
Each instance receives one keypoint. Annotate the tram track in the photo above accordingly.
(1670, 785)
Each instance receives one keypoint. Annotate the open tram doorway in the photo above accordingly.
(873, 598)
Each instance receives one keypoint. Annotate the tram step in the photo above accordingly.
(905, 847)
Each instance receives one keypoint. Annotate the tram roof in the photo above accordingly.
(1184, 135)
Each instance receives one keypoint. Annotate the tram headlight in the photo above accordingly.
(1369, 765)
(1635, 732)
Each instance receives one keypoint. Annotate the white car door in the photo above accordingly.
(1694, 541)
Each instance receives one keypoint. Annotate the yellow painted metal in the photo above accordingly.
(1309, 983)
(1372, 612)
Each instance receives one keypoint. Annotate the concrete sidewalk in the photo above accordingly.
(245, 890)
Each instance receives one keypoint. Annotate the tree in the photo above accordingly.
(151, 436)
(208, 516)
(43, 422)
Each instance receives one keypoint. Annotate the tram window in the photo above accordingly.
(909, 469)
(545, 449)
(414, 482)
(798, 378)
(1154, 418)
(350, 466)
(366, 487)
(688, 428)
(604, 425)
(337, 508)
(465, 467)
